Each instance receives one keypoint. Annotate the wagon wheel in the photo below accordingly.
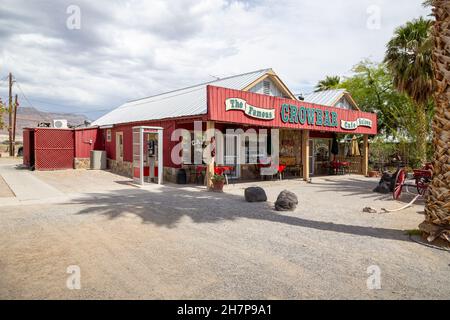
(399, 181)
(422, 185)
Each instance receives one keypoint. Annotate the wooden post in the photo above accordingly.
(16, 104)
(365, 156)
(209, 166)
(10, 112)
(305, 154)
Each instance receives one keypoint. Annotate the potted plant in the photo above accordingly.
(218, 182)
(372, 172)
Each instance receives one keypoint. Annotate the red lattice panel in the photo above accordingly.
(54, 149)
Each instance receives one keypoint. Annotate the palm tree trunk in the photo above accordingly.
(437, 208)
(422, 134)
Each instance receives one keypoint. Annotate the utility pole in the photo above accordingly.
(11, 152)
(16, 104)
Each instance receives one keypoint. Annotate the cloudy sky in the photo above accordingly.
(123, 50)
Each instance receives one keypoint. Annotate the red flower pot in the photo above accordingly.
(373, 173)
(218, 185)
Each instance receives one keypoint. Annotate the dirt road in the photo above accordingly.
(170, 242)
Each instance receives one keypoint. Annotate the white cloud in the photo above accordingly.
(130, 49)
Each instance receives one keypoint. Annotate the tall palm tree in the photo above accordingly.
(330, 82)
(408, 57)
(437, 208)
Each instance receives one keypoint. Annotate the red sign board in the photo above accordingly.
(241, 107)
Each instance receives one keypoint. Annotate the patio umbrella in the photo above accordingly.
(354, 151)
(334, 147)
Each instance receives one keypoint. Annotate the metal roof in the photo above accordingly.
(183, 102)
(326, 97)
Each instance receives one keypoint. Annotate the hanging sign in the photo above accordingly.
(251, 111)
(352, 125)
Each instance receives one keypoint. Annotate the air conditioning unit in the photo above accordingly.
(60, 124)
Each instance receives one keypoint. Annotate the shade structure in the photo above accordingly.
(335, 146)
(354, 150)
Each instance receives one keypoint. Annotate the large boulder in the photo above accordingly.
(255, 194)
(286, 201)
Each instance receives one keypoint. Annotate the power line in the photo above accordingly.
(23, 94)
(26, 98)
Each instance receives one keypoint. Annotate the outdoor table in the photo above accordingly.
(222, 169)
(280, 169)
(339, 166)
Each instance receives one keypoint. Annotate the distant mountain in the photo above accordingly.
(30, 117)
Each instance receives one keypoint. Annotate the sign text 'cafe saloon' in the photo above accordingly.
(296, 115)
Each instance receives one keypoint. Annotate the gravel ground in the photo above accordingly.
(169, 242)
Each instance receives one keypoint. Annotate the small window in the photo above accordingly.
(108, 135)
(266, 87)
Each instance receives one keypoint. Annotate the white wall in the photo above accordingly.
(343, 103)
(259, 88)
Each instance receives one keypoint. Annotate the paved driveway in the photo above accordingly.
(170, 242)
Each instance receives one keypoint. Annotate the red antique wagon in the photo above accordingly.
(422, 178)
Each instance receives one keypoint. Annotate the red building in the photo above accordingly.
(256, 100)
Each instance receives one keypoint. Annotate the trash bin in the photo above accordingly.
(98, 160)
(181, 176)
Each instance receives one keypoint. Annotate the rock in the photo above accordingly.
(255, 194)
(369, 210)
(286, 201)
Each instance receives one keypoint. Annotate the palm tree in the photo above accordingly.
(437, 208)
(330, 82)
(408, 57)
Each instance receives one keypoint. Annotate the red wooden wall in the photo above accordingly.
(127, 129)
(55, 149)
(87, 140)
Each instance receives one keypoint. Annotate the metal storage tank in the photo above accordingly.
(98, 160)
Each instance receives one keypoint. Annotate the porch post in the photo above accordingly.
(141, 156)
(160, 156)
(305, 154)
(365, 156)
(210, 166)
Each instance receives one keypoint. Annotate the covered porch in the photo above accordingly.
(297, 154)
